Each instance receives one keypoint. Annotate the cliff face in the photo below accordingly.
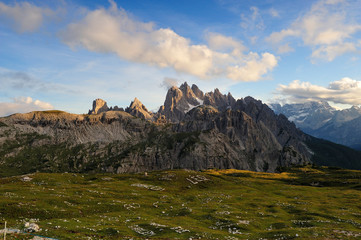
(137, 109)
(179, 101)
(99, 106)
(185, 133)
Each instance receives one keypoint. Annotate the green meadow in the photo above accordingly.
(300, 203)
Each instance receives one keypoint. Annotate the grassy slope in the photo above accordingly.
(332, 154)
(317, 203)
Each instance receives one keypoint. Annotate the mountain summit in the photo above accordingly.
(181, 100)
(99, 106)
(137, 109)
(321, 120)
(192, 130)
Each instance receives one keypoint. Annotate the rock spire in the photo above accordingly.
(99, 106)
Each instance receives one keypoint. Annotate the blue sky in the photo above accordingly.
(64, 54)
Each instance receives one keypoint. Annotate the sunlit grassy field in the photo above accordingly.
(301, 203)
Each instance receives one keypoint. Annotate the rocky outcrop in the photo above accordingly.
(199, 94)
(179, 101)
(99, 106)
(218, 100)
(137, 109)
(185, 133)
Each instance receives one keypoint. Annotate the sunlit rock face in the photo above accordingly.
(181, 100)
(137, 109)
(192, 130)
(99, 106)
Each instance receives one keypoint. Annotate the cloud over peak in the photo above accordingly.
(343, 91)
(113, 31)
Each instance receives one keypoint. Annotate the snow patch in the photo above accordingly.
(327, 120)
(190, 106)
(295, 118)
(200, 101)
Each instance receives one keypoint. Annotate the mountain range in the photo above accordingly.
(321, 120)
(191, 130)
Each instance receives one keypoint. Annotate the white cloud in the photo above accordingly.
(326, 27)
(277, 37)
(222, 43)
(253, 21)
(255, 67)
(344, 91)
(113, 31)
(24, 16)
(169, 82)
(23, 105)
(331, 52)
(274, 13)
(285, 49)
(344, 84)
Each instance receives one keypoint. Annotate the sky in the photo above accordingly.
(61, 54)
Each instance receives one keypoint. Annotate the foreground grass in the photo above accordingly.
(302, 203)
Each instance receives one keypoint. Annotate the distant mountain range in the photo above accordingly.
(192, 130)
(321, 120)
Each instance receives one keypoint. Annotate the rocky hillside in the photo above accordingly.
(321, 120)
(192, 130)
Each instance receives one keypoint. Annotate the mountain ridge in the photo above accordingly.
(184, 133)
(321, 120)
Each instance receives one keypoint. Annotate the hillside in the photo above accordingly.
(301, 203)
(192, 130)
(327, 153)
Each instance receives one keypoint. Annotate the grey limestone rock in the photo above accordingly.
(99, 106)
(191, 130)
(137, 109)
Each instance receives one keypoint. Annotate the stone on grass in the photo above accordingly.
(31, 227)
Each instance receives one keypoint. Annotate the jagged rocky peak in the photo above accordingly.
(137, 109)
(174, 95)
(99, 106)
(189, 94)
(179, 101)
(136, 104)
(220, 133)
(219, 100)
(199, 94)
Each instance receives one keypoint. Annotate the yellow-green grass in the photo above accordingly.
(301, 203)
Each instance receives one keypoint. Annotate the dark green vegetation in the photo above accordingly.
(332, 154)
(22, 154)
(301, 203)
(25, 152)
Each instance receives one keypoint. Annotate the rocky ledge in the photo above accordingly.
(192, 130)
